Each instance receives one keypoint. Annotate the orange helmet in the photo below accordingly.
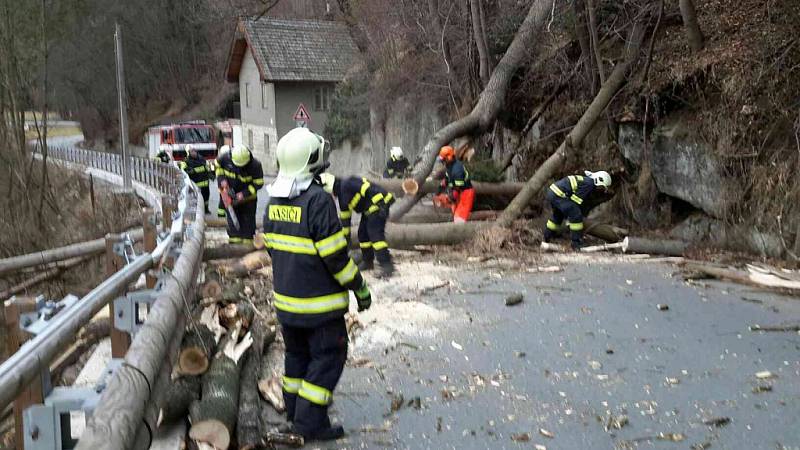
(447, 153)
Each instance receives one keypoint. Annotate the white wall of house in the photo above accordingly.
(257, 100)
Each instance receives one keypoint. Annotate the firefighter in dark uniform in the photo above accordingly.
(195, 166)
(241, 176)
(566, 197)
(358, 195)
(312, 274)
(163, 154)
(397, 166)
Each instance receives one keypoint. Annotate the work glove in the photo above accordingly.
(364, 297)
(239, 196)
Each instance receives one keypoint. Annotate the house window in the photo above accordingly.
(266, 143)
(250, 139)
(247, 95)
(263, 95)
(322, 98)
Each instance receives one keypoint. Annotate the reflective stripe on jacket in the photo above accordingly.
(573, 187)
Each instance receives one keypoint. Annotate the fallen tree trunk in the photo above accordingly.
(395, 186)
(491, 100)
(441, 215)
(91, 334)
(735, 275)
(214, 416)
(660, 246)
(549, 168)
(227, 251)
(244, 266)
(269, 383)
(248, 430)
(81, 249)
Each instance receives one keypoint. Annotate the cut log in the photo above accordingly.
(214, 416)
(237, 312)
(249, 263)
(227, 251)
(248, 430)
(440, 215)
(269, 383)
(290, 440)
(180, 395)
(212, 287)
(606, 232)
(652, 246)
(199, 343)
(232, 292)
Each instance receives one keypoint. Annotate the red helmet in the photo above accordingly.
(447, 153)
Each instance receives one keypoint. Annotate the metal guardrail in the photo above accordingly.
(126, 413)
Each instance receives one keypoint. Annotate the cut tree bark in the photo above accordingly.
(214, 416)
(607, 92)
(248, 431)
(491, 100)
(182, 392)
(199, 343)
(692, 26)
(269, 384)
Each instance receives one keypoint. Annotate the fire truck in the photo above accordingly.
(200, 135)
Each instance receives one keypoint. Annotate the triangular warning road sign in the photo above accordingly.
(302, 114)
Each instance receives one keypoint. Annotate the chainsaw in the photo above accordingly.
(227, 200)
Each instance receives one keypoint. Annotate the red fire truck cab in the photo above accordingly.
(201, 136)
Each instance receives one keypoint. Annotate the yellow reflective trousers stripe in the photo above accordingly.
(380, 245)
(292, 385)
(576, 226)
(552, 226)
(315, 394)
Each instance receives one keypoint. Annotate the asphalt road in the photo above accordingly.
(586, 344)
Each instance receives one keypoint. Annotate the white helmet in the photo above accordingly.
(301, 156)
(601, 178)
(328, 179)
(223, 150)
(396, 153)
(240, 155)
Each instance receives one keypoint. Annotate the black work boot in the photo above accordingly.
(386, 269)
(549, 235)
(327, 434)
(366, 265)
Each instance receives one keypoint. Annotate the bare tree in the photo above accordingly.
(491, 100)
(595, 41)
(582, 34)
(693, 32)
(478, 24)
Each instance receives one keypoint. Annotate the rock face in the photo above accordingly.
(682, 167)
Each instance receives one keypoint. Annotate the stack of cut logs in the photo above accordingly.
(222, 365)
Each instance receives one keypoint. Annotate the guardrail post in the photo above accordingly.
(166, 211)
(34, 394)
(120, 340)
(149, 240)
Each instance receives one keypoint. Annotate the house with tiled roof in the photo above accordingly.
(287, 71)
